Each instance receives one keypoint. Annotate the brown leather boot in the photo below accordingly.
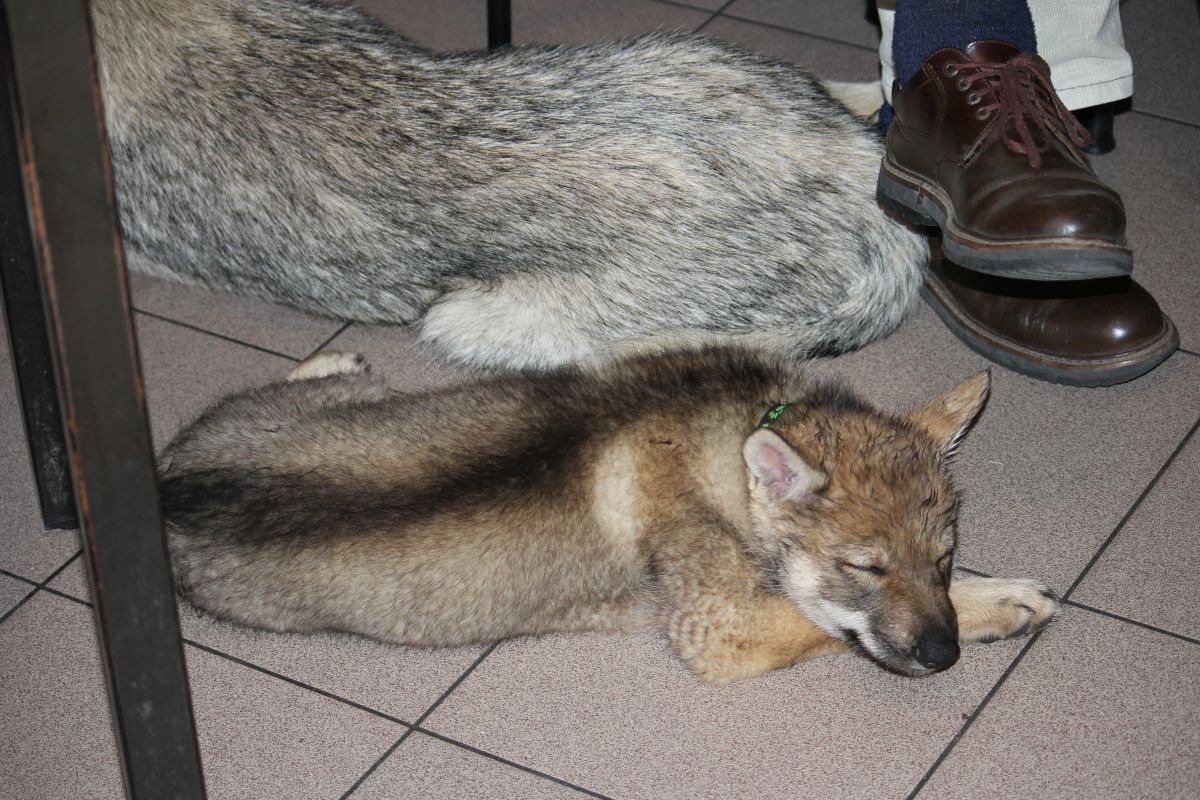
(982, 147)
(1082, 333)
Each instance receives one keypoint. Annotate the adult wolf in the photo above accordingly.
(526, 207)
(640, 489)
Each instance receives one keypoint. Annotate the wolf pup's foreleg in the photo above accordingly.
(989, 609)
(716, 616)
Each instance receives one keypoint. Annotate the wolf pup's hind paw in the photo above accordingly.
(322, 365)
(990, 609)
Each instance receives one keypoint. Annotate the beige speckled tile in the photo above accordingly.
(262, 737)
(1161, 36)
(620, 716)
(247, 319)
(462, 24)
(26, 547)
(581, 21)
(12, 591)
(1049, 471)
(56, 740)
(1097, 708)
(185, 371)
(259, 737)
(827, 59)
(444, 25)
(850, 24)
(1148, 573)
(433, 770)
(400, 681)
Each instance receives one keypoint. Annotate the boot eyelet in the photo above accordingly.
(981, 113)
(950, 70)
(973, 99)
(963, 85)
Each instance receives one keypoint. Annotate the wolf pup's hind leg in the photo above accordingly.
(327, 363)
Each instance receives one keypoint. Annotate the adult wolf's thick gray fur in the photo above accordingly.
(526, 206)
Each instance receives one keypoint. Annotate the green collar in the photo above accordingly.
(775, 413)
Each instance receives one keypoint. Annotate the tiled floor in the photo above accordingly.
(1094, 491)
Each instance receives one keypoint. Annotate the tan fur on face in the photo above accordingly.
(576, 500)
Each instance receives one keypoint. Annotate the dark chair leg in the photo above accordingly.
(499, 23)
(32, 364)
(82, 274)
(1098, 120)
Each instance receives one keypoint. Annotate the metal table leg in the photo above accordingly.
(499, 23)
(32, 364)
(70, 197)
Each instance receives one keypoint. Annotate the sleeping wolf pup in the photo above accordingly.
(525, 207)
(590, 498)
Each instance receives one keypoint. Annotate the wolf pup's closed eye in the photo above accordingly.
(757, 516)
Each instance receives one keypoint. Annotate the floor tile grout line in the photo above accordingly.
(379, 761)
(1189, 352)
(295, 682)
(37, 587)
(65, 596)
(966, 726)
(433, 707)
(689, 6)
(1110, 614)
(1164, 117)
(411, 726)
(1131, 621)
(1132, 510)
(450, 689)
(713, 16)
(214, 334)
(24, 599)
(20, 578)
(261, 669)
(507, 762)
(329, 341)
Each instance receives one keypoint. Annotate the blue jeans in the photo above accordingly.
(925, 26)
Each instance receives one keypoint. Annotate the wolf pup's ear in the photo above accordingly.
(947, 418)
(779, 468)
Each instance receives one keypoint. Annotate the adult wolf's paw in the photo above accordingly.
(322, 365)
(989, 609)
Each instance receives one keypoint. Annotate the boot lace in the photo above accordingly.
(1031, 115)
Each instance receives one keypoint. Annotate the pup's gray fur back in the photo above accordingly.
(526, 206)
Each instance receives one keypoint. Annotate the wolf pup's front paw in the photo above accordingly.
(322, 365)
(718, 667)
(989, 609)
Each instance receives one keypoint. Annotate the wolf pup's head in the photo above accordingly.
(855, 513)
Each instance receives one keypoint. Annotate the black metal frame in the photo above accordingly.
(62, 275)
(88, 333)
(499, 22)
(32, 361)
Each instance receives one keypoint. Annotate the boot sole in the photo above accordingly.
(1071, 372)
(1038, 259)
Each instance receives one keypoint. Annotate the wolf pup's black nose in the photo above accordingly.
(937, 649)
